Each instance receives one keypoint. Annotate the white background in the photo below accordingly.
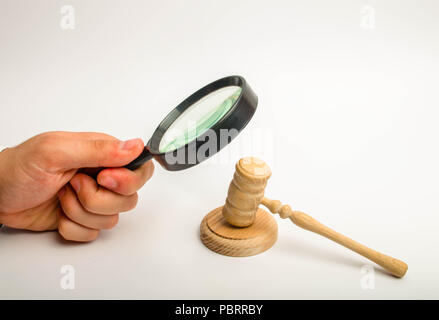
(347, 120)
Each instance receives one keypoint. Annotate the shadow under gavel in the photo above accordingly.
(241, 228)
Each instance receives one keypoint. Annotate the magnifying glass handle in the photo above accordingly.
(141, 159)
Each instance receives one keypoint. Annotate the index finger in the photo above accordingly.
(125, 181)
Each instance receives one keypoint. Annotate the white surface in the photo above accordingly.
(347, 120)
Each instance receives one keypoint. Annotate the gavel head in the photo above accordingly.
(246, 191)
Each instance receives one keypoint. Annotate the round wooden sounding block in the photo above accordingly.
(220, 236)
(240, 228)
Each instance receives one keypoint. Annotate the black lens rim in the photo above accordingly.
(236, 118)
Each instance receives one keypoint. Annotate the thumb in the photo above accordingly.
(91, 153)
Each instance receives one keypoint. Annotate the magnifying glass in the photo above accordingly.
(201, 125)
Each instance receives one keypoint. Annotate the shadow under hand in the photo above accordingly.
(10, 232)
(14, 232)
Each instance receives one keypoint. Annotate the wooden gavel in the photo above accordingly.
(241, 211)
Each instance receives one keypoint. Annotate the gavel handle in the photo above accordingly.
(396, 267)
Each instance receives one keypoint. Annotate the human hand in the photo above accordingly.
(46, 183)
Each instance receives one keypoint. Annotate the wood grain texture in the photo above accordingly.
(241, 228)
(220, 236)
(396, 267)
(246, 191)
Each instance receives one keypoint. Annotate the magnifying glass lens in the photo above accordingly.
(192, 131)
(199, 117)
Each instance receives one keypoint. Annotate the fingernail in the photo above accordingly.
(61, 192)
(129, 144)
(76, 184)
(108, 182)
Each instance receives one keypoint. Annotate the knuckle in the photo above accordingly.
(45, 146)
(63, 229)
(68, 207)
(130, 189)
(106, 148)
(46, 141)
(90, 236)
(101, 145)
(129, 202)
(88, 201)
(149, 170)
(133, 201)
(111, 221)
(68, 234)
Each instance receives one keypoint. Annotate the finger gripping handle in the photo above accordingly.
(140, 160)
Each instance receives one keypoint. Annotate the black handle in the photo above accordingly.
(141, 159)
